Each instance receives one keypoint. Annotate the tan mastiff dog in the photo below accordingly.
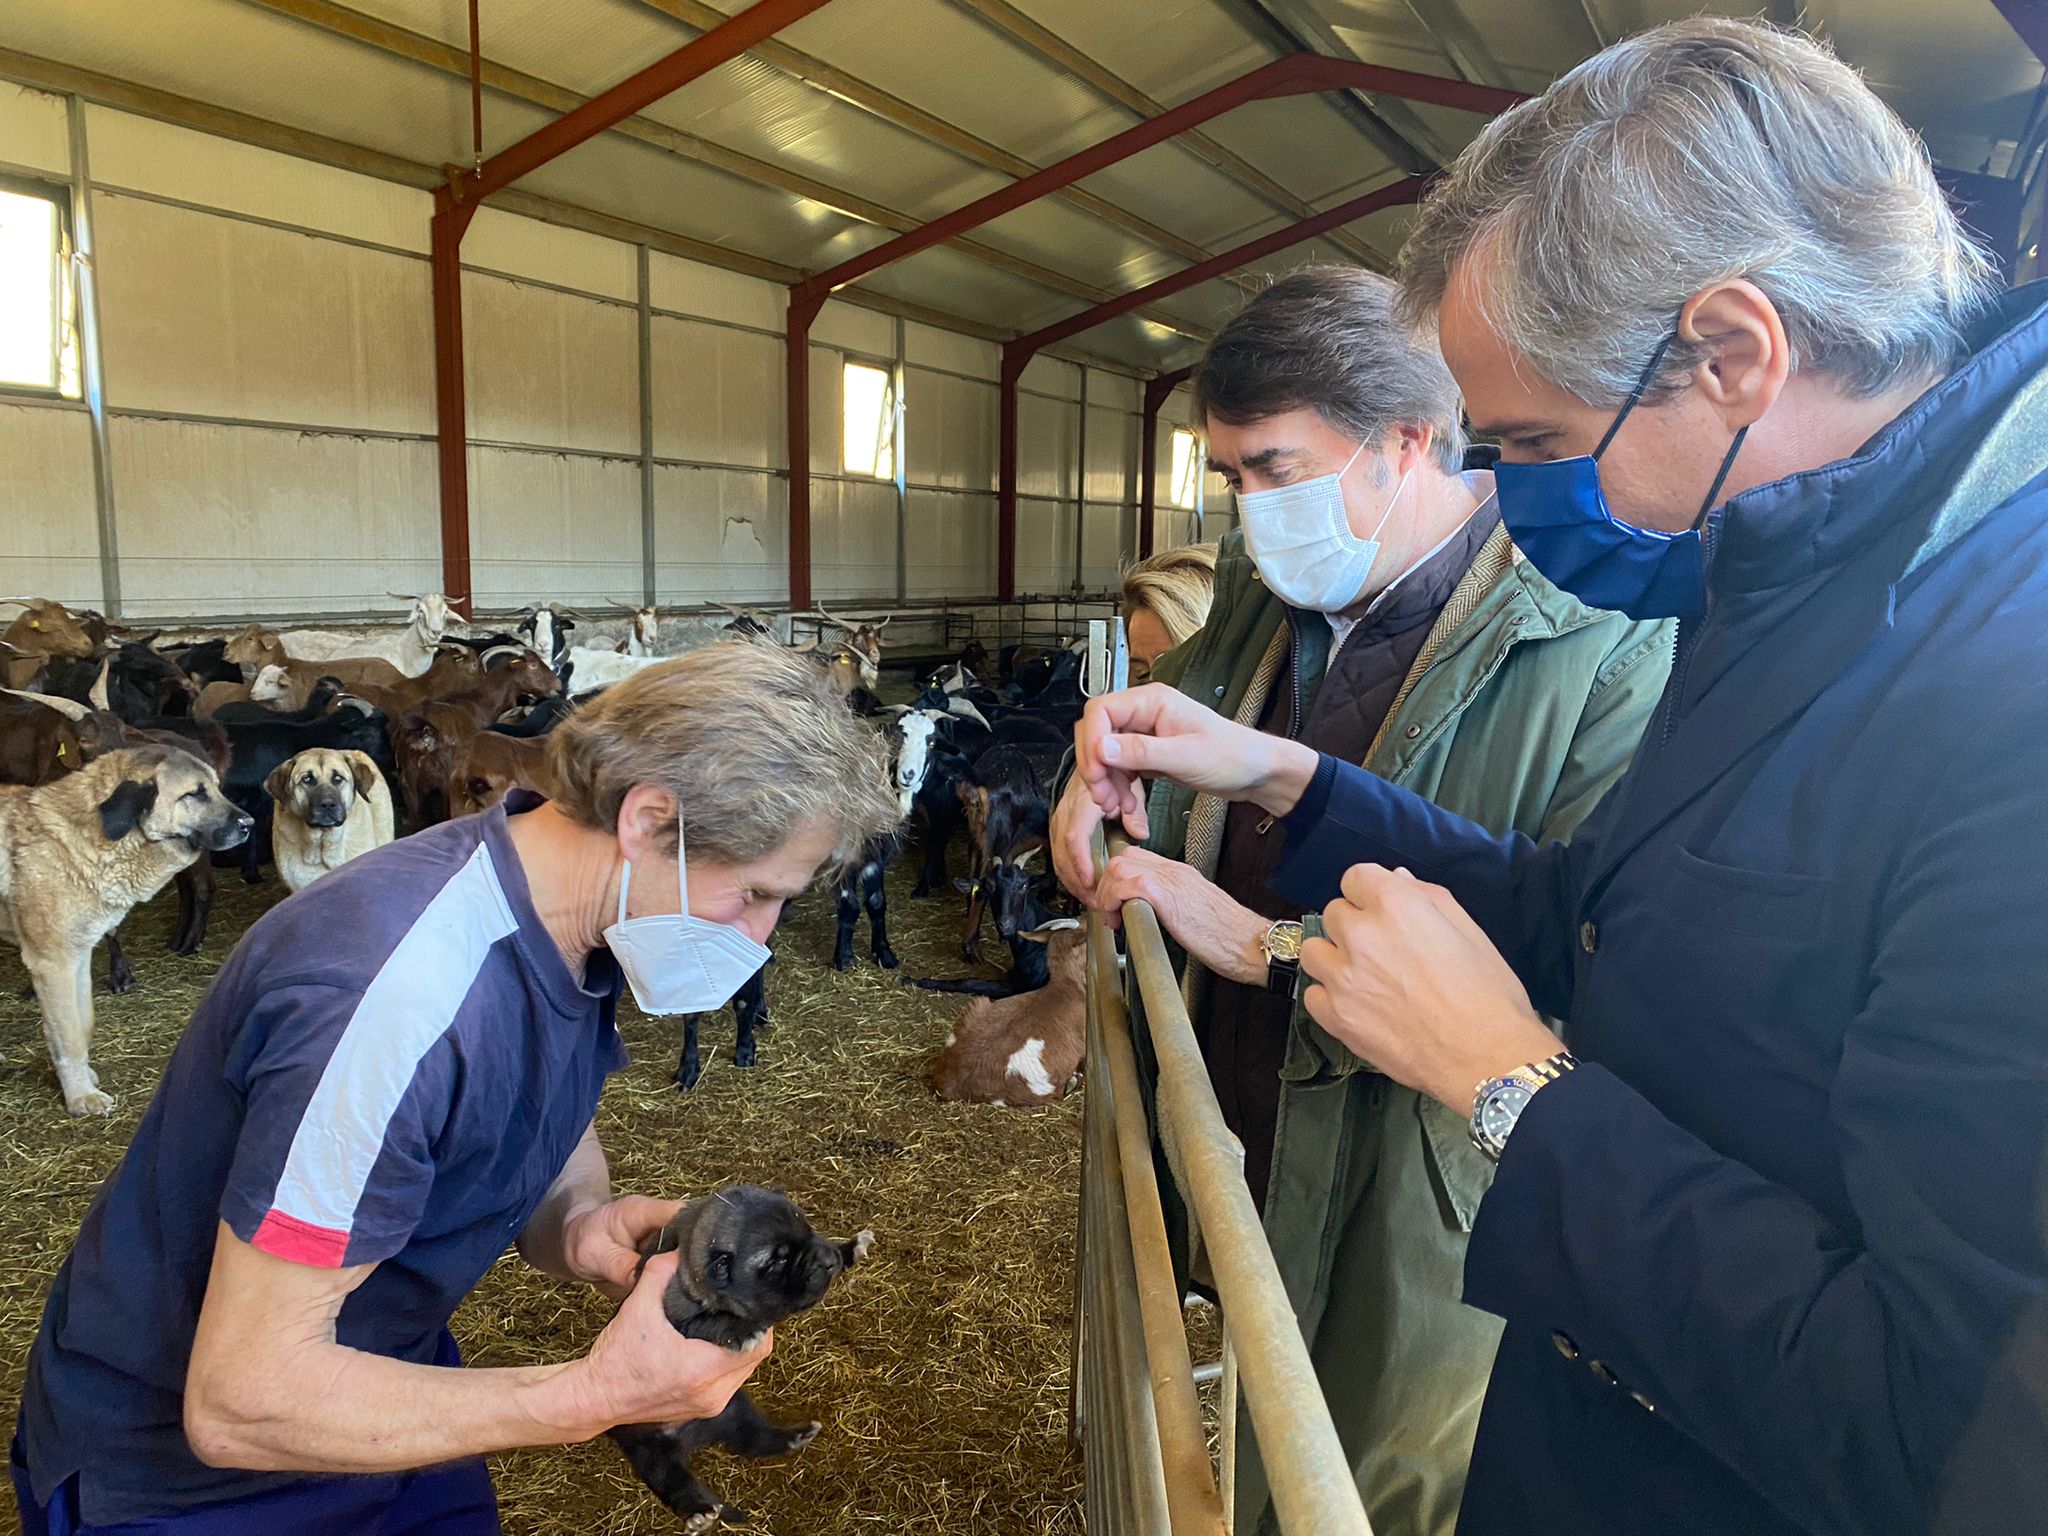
(331, 807)
(76, 855)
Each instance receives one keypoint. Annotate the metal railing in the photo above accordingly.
(1149, 1470)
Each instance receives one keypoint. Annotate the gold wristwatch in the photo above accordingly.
(1281, 944)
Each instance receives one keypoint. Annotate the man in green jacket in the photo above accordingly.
(1370, 605)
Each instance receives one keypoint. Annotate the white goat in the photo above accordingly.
(412, 652)
(590, 668)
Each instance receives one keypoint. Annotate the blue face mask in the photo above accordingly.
(1557, 516)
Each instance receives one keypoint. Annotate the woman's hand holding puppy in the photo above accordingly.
(642, 1371)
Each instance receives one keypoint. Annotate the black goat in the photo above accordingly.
(140, 682)
(860, 883)
(206, 662)
(749, 1012)
(539, 720)
(1012, 894)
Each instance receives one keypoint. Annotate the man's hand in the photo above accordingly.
(1409, 982)
(1072, 836)
(1159, 732)
(1200, 915)
(602, 1243)
(641, 1371)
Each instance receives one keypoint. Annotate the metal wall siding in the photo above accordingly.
(550, 253)
(1045, 546)
(859, 330)
(49, 533)
(853, 539)
(718, 394)
(144, 155)
(244, 519)
(1047, 449)
(950, 430)
(952, 543)
(548, 525)
(691, 288)
(549, 368)
(216, 316)
(953, 352)
(720, 535)
(33, 130)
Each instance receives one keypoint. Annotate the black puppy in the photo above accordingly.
(747, 1260)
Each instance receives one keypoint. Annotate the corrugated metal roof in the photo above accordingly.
(762, 162)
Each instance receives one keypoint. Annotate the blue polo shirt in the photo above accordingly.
(391, 1069)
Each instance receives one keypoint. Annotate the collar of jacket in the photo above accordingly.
(1780, 534)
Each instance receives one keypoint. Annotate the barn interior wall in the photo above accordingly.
(267, 339)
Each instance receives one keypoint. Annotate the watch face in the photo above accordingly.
(1283, 941)
(1498, 1114)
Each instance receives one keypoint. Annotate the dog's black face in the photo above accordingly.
(750, 1253)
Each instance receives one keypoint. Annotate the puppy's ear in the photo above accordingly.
(718, 1268)
(279, 784)
(124, 809)
(365, 769)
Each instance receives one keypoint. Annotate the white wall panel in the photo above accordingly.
(720, 536)
(953, 352)
(1106, 536)
(149, 156)
(1050, 376)
(221, 317)
(551, 525)
(551, 253)
(856, 329)
(952, 543)
(1112, 450)
(49, 533)
(691, 288)
(549, 368)
(1045, 546)
(35, 129)
(950, 430)
(1048, 454)
(719, 395)
(853, 538)
(247, 520)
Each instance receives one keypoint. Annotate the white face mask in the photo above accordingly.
(1302, 542)
(676, 963)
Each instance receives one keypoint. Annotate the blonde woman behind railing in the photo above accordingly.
(1165, 601)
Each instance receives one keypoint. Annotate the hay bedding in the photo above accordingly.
(939, 1368)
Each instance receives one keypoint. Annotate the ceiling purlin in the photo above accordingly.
(399, 42)
(913, 119)
(1021, 29)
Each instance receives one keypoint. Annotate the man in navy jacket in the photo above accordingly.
(1767, 1239)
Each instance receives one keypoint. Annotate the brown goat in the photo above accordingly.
(426, 741)
(1026, 1049)
(37, 743)
(489, 766)
(256, 647)
(55, 630)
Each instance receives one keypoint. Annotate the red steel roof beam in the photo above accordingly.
(1018, 353)
(1157, 392)
(455, 204)
(1293, 74)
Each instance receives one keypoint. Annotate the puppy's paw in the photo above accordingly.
(803, 1437)
(863, 1240)
(703, 1521)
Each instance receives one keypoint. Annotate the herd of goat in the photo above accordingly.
(444, 721)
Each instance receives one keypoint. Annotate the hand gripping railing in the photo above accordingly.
(1135, 1408)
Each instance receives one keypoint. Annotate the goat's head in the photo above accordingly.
(1009, 888)
(527, 671)
(909, 736)
(53, 629)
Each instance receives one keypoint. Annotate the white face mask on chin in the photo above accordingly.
(1302, 543)
(676, 963)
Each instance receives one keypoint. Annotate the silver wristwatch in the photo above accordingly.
(1499, 1101)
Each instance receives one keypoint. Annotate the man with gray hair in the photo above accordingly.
(1370, 605)
(1765, 1237)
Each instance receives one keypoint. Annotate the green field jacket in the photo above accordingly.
(1522, 708)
